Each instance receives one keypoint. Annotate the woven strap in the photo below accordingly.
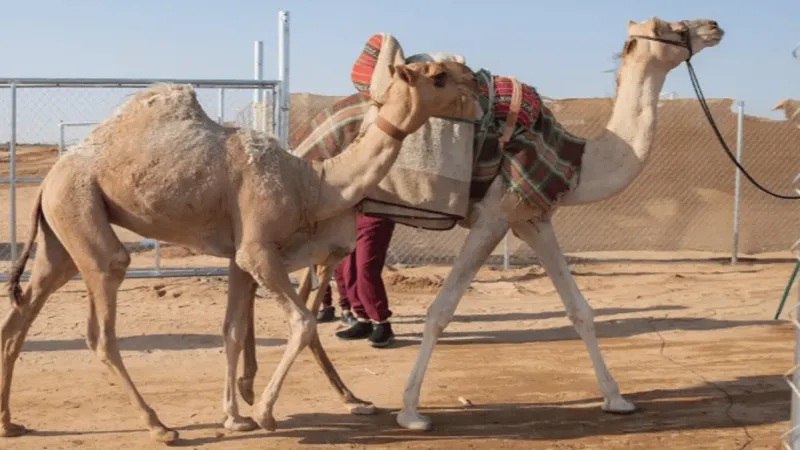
(488, 115)
(390, 129)
(513, 112)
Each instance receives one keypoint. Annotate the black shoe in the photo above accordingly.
(361, 330)
(348, 319)
(327, 314)
(382, 335)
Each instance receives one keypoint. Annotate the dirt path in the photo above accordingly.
(691, 343)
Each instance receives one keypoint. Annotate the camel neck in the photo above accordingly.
(615, 158)
(349, 176)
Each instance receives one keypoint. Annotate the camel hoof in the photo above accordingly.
(361, 408)
(246, 390)
(267, 422)
(240, 424)
(619, 406)
(12, 430)
(412, 420)
(164, 435)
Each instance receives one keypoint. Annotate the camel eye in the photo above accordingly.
(440, 79)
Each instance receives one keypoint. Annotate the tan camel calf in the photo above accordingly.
(160, 167)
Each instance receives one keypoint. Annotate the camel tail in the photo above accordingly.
(14, 288)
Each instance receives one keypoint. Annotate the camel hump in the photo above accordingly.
(162, 101)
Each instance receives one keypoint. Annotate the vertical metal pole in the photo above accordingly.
(60, 138)
(12, 162)
(221, 106)
(314, 279)
(276, 109)
(794, 438)
(158, 257)
(258, 74)
(263, 109)
(283, 77)
(737, 184)
(506, 262)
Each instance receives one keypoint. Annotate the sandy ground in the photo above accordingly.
(693, 344)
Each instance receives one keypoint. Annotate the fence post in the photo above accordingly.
(221, 106)
(258, 74)
(737, 184)
(283, 77)
(12, 162)
(795, 403)
(60, 138)
(506, 256)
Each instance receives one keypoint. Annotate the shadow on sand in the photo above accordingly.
(758, 400)
(145, 342)
(614, 328)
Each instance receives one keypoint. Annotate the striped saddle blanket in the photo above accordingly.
(539, 160)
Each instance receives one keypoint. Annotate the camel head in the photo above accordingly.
(420, 90)
(791, 108)
(656, 40)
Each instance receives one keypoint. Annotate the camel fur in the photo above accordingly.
(611, 162)
(160, 167)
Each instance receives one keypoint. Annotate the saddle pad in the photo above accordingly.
(541, 161)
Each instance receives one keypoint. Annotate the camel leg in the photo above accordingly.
(487, 231)
(304, 290)
(542, 238)
(353, 404)
(264, 263)
(52, 268)
(102, 260)
(238, 314)
(250, 363)
(245, 383)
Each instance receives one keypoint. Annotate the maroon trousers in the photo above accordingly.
(358, 276)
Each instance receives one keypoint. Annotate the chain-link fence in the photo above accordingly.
(682, 203)
(46, 119)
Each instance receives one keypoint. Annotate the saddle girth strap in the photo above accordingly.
(513, 111)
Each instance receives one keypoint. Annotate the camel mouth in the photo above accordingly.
(470, 92)
(711, 34)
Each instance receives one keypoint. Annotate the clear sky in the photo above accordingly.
(561, 50)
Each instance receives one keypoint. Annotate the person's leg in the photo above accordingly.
(340, 275)
(328, 313)
(361, 327)
(375, 235)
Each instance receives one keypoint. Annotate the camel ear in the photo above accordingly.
(631, 23)
(779, 105)
(406, 74)
(655, 27)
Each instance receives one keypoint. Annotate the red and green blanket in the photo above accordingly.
(539, 163)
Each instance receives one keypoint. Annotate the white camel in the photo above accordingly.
(610, 163)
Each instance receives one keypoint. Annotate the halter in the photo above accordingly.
(685, 42)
